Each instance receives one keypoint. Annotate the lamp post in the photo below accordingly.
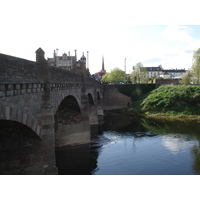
(125, 68)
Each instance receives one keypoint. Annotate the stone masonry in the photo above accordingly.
(31, 93)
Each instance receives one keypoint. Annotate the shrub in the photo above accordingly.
(174, 99)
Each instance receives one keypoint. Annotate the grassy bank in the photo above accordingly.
(177, 101)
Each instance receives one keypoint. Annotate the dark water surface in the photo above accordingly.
(124, 145)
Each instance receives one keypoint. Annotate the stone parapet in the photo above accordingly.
(7, 90)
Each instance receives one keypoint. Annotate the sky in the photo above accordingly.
(124, 32)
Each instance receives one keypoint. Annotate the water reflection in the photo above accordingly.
(176, 143)
(133, 145)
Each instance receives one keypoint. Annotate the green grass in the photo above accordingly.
(178, 101)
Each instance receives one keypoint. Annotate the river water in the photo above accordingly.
(124, 145)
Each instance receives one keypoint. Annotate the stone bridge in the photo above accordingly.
(43, 108)
(55, 107)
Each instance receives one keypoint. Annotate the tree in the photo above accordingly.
(186, 78)
(196, 65)
(105, 78)
(114, 76)
(139, 74)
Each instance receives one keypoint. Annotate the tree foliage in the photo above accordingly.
(196, 65)
(139, 74)
(114, 76)
(186, 78)
(177, 99)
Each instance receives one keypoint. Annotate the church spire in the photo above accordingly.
(103, 64)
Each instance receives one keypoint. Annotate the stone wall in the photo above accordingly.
(17, 70)
(167, 81)
(113, 99)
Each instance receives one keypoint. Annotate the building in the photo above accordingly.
(174, 73)
(65, 61)
(154, 71)
(68, 62)
(164, 73)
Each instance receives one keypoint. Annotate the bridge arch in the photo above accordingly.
(13, 114)
(19, 148)
(61, 96)
(90, 99)
(68, 107)
(98, 96)
(67, 121)
(93, 116)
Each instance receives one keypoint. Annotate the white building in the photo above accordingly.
(164, 73)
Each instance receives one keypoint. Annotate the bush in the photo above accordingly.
(177, 99)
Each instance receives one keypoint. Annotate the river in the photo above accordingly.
(125, 145)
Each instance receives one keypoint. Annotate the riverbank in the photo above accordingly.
(168, 101)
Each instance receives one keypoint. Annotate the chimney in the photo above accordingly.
(40, 55)
(103, 64)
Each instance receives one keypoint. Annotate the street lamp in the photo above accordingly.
(125, 68)
(125, 65)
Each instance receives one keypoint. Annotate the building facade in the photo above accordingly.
(164, 73)
(68, 62)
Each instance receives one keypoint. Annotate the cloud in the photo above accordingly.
(178, 33)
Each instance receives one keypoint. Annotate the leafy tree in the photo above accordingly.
(139, 74)
(196, 65)
(114, 76)
(186, 78)
(105, 78)
(133, 77)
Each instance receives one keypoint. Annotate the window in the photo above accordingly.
(69, 63)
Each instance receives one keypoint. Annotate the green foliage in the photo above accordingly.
(105, 78)
(133, 77)
(139, 74)
(134, 95)
(196, 65)
(135, 90)
(185, 79)
(114, 76)
(173, 100)
(145, 88)
(126, 89)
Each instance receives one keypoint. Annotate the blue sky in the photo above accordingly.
(113, 29)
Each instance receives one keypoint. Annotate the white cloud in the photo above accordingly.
(178, 33)
(176, 57)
